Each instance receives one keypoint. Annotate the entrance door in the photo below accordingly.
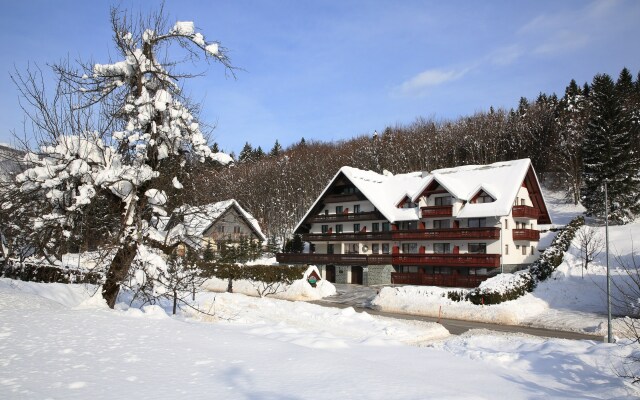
(330, 272)
(356, 275)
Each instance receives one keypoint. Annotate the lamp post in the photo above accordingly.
(501, 247)
(606, 232)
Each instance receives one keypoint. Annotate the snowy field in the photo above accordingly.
(57, 342)
(62, 342)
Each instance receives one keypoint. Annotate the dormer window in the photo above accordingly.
(483, 197)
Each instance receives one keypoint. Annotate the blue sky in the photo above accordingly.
(331, 70)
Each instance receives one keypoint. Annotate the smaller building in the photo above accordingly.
(210, 225)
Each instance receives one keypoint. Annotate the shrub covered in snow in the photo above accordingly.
(505, 287)
(543, 267)
(46, 273)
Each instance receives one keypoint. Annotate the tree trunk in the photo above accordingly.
(118, 271)
(230, 285)
(175, 301)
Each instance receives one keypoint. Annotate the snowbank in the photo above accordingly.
(298, 290)
(273, 349)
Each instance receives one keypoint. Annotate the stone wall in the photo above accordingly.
(378, 275)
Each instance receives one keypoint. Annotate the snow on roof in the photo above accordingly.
(197, 219)
(501, 180)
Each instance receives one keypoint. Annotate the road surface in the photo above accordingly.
(359, 297)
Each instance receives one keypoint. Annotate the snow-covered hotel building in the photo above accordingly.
(449, 227)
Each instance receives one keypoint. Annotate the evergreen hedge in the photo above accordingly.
(47, 274)
(525, 282)
(262, 273)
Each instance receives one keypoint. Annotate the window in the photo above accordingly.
(339, 209)
(477, 222)
(404, 225)
(356, 227)
(356, 208)
(375, 248)
(522, 202)
(375, 227)
(441, 248)
(330, 248)
(441, 224)
(352, 248)
(478, 248)
(411, 270)
(338, 228)
(385, 248)
(349, 190)
(524, 250)
(236, 229)
(325, 228)
(515, 203)
(443, 201)
(386, 227)
(326, 212)
(506, 249)
(532, 248)
(410, 248)
(220, 228)
(484, 198)
(506, 224)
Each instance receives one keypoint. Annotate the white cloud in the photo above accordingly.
(562, 41)
(506, 55)
(419, 84)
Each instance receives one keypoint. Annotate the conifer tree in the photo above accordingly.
(246, 154)
(609, 156)
(276, 149)
(572, 116)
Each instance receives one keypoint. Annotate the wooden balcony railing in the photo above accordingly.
(531, 235)
(358, 236)
(525, 212)
(338, 259)
(448, 260)
(437, 211)
(450, 280)
(447, 234)
(363, 216)
(341, 198)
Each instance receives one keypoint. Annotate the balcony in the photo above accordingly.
(447, 234)
(448, 260)
(342, 198)
(451, 280)
(531, 235)
(357, 237)
(437, 211)
(363, 216)
(525, 212)
(336, 259)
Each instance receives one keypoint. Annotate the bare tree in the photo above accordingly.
(591, 244)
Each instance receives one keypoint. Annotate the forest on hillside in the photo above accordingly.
(577, 141)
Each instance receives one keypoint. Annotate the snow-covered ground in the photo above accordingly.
(58, 342)
(569, 300)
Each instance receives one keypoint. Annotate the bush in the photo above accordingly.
(526, 282)
(263, 273)
(522, 284)
(552, 257)
(47, 273)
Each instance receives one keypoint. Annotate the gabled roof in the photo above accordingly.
(197, 220)
(501, 180)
